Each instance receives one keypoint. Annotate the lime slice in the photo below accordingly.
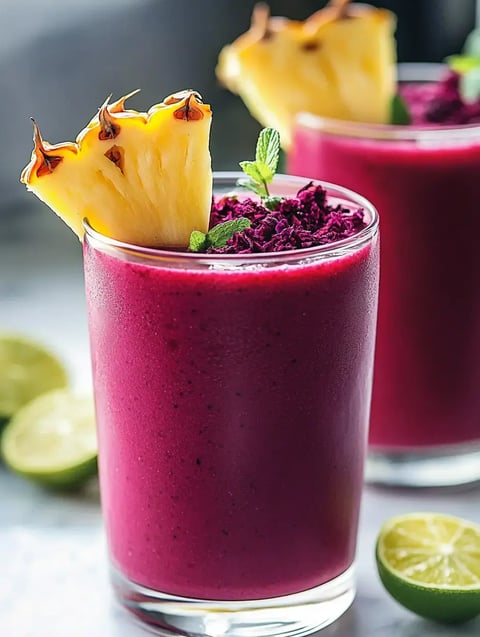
(430, 563)
(26, 371)
(52, 439)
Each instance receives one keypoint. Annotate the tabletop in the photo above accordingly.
(52, 549)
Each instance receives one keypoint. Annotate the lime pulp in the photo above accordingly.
(52, 439)
(430, 563)
(27, 370)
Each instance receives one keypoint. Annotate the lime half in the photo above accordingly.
(430, 563)
(52, 439)
(26, 371)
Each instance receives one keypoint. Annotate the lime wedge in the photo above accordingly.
(52, 439)
(26, 371)
(430, 563)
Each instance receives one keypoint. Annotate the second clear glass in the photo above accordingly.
(425, 423)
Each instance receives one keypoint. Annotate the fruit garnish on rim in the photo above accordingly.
(140, 177)
(338, 63)
(145, 179)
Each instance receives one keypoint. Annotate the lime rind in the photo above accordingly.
(27, 370)
(52, 440)
(416, 553)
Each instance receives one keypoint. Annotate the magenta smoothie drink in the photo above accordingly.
(424, 182)
(232, 397)
(232, 324)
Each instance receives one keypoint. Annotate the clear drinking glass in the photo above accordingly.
(425, 422)
(232, 396)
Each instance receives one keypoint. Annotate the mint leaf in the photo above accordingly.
(265, 172)
(470, 85)
(249, 184)
(218, 236)
(399, 113)
(272, 203)
(268, 149)
(462, 63)
(262, 170)
(471, 47)
(198, 241)
(250, 168)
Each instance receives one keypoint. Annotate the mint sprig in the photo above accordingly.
(218, 236)
(262, 171)
(468, 65)
(198, 241)
(399, 113)
(472, 44)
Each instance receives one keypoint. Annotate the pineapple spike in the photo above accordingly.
(189, 111)
(109, 129)
(175, 98)
(45, 163)
(119, 105)
(106, 102)
(261, 20)
(340, 4)
(335, 10)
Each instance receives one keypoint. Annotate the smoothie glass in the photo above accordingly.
(425, 182)
(232, 396)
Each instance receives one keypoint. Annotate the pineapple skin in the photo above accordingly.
(338, 64)
(143, 178)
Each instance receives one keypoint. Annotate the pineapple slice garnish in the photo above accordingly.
(339, 63)
(142, 178)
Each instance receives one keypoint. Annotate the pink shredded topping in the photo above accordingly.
(301, 222)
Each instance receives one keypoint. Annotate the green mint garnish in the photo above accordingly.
(267, 152)
(399, 113)
(259, 174)
(198, 241)
(462, 63)
(470, 84)
(249, 184)
(468, 65)
(218, 236)
(272, 203)
(472, 44)
(262, 171)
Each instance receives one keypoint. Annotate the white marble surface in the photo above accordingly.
(52, 554)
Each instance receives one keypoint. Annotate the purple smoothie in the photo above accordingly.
(424, 180)
(232, 407)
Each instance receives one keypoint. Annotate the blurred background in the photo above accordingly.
(60, 58)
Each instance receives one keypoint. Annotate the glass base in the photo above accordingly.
(292, 615)
(446, 466)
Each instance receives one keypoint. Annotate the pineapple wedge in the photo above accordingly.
(339, 63)
(142, 178)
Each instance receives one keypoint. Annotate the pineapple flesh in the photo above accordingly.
(339, 63)
(141, 178)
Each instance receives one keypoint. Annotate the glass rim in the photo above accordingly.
(328, 250)
(407, 72)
